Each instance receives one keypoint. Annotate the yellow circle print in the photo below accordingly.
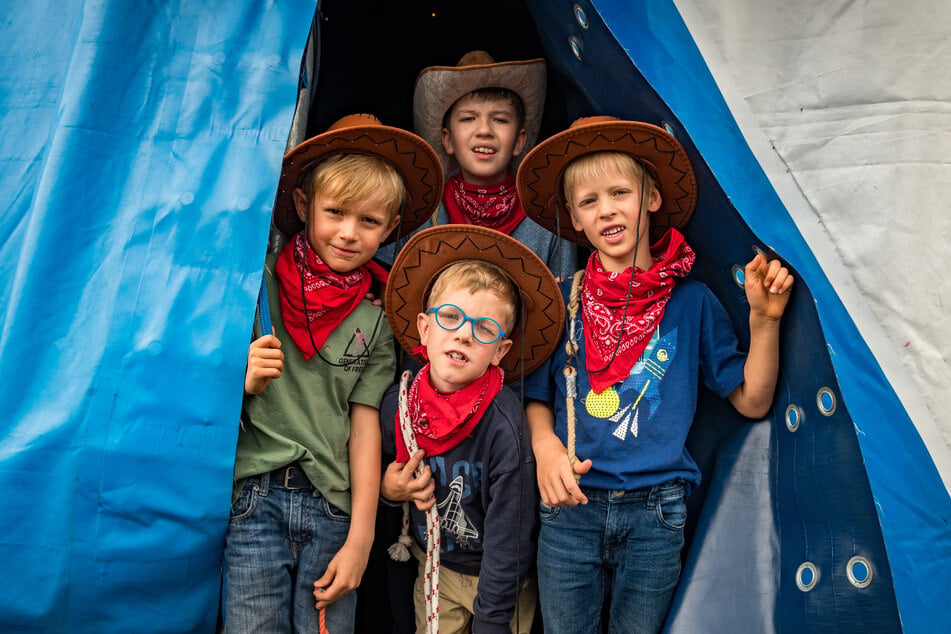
(602, 405)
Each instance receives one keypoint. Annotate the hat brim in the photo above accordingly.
(431, 250)
(412, 157)
(438, 87)
(539, 178)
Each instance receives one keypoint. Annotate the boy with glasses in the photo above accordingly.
(479, 308)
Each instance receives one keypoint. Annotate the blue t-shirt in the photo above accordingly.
(634, 431)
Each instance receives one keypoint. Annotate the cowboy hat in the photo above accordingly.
(412, 157)
(541, 190)
(430, 251)
(438, 87)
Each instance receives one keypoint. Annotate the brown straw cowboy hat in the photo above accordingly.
(538, 329)
(539, 179)
(412, 157)
(438, 87)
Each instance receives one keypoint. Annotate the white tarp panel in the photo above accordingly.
(854, 99)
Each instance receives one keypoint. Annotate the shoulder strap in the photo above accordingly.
(264, 309)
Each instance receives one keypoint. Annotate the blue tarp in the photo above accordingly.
(139, 158)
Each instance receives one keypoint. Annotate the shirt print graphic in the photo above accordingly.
(357, 352)
(633, 401)
(452, 517)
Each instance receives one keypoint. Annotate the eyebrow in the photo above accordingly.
(507, 112)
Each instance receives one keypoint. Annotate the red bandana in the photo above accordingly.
(496, 207)
(603, 296)
(330, 296)
(441, 421)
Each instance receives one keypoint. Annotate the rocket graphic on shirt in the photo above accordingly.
(634, 401)
(452, 517)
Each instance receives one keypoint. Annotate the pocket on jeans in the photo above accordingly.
(333, 512)
(547, 513)
(247, 499)
(672, 510)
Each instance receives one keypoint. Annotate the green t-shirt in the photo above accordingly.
(305, 414)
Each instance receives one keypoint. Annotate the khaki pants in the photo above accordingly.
(457, 593)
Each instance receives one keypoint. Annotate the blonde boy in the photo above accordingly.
(307, 468)
(461, 294)
(613, 410)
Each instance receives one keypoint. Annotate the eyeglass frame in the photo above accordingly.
(435, 312)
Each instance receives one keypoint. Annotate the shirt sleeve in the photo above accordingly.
(721, 361)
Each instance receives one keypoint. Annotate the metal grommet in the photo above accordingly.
(859, 571)
(575, 45)
(793, 417)
(581, 16)
(739, 276)
(825, 401)
(807, 576)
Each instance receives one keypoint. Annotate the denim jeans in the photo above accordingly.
(619, 554)
(279, 542)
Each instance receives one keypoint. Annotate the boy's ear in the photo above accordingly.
(447, 141)
(300, 203)
(504, 347)
(422, 325)
(654, 200)
(520, 142)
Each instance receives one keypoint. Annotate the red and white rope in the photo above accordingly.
(431, 573)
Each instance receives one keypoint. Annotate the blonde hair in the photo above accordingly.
(475, 276)
(347, 178)
(598, 164)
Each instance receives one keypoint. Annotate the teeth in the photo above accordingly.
(456, 356)
(482, 150)
(613, 232)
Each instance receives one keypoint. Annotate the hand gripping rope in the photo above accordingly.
(400, 550)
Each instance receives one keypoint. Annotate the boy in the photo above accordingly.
(480, 116)
(481, 309)
(307, 468)
(622, 395)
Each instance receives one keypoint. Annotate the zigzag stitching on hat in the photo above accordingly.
(443, 243)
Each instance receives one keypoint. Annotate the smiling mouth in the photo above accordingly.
(613, 231)
(484, 150)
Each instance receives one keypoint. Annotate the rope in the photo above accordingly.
(400, 550)
(322, 622)
(571, 374)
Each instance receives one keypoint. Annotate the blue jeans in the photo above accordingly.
(619, 554)
(279, 542)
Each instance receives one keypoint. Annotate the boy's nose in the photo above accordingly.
(606, 208)
(464, 333)
(348, 229)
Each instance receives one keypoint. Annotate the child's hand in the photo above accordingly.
(265, 362)
(343, 574)
(767, 287)
(399, 482)
(557, 480)
(370, 297)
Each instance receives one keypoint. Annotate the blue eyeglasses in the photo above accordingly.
(484, 329)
